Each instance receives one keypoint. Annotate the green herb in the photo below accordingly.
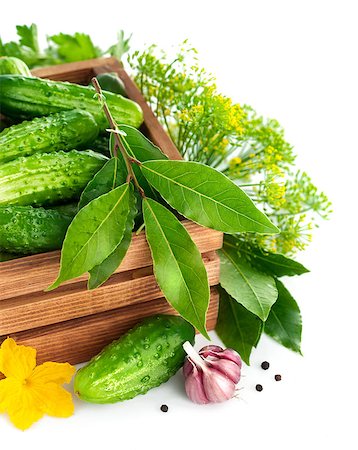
(206, 196)
(62, 47)
(100, 273)
(253, 289)
(94, 233)
(110, 176)
(272, 263)
(284, 323)
(237, 327)
(208, 127)
(177, 262)
(74, 48)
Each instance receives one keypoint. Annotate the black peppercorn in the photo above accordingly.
(278, 377)
(265, 365)
(259, 387)
(164, 408)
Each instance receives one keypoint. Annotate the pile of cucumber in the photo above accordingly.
(50, 144)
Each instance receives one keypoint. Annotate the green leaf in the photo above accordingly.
(140, 148)
(111, 175)
(75, 48)
(94, 233)
(121, 46)
(178, 266)
(206, 196)
(275, 264)
(237, 327)
(255, 290)
(284, 323)
(100, 273)
(28, 36)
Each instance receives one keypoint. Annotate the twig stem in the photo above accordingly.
(129, 160)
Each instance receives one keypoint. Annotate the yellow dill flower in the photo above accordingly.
(28, 392)
(236, 161)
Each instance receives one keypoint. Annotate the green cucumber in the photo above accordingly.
(14, 66)
(27, 230)
(48, 178)
(111, 82)
(61, 131)
(101, 145)
(28, 97)
(145, 357)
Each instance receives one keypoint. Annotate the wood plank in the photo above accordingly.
(35, 273)
(79, 72)
(74, 300)
(80, 339)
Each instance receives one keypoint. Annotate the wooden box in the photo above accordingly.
(71, 323)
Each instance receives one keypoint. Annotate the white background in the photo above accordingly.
(294, 61)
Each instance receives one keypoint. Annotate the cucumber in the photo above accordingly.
(28, 97)
(145, 357)
(27, 230)
(111, 82)
(48, 178)
(61, 131)
(101, 145)
(69, 209)
(15, 66)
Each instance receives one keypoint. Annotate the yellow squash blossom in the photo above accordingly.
(28, 392)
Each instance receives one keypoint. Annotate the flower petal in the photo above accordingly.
(17, 400)
(54, 400)
(52, 372)
(16, 361)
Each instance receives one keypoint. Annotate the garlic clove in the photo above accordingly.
(209, 349)
(217, 387)
(187, 367)
(232, 355)
(227, 368)
(194, 387)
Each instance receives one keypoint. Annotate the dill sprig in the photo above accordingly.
(208, 127)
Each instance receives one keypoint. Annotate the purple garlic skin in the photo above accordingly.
(211, 376)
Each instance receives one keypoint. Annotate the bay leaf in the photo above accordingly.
(94, 233)
(100, 273)
(142, 149)
(206, 196)
(177, 262)
(253, 289)
(237, 327)
(111, 175)
(284, 323)
(276, 264)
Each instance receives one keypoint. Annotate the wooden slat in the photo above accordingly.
(72, 301)
(79, 72)
(79, 340)
(35, 273)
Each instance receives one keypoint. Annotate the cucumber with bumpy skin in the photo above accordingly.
(111, 82)
(61, 131)
(48, 178)
(34, 97)
(26, 230)
(14, 66)
(145, 357)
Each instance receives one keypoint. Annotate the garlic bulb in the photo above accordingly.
(212, 374)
